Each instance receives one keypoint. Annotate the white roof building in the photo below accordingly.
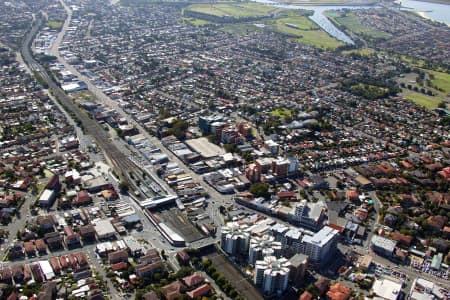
(235, 238)
(272, 274)
(104, 229)
(425, 290)
(387, 288)
(261, 247)
(321, 245)
(47, 269)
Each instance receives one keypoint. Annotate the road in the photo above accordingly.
(377, 206)
(407, 270)
(121, 163)
(16, 224)
(98, 93)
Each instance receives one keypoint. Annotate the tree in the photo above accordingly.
(156, 277)
(124, 186)
(260, 190)
(179, 128)
(184, 271)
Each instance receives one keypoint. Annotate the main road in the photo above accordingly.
(219, 199)
(122, 164)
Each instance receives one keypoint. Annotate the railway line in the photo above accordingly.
(121, 163)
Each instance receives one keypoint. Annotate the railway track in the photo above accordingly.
(122, 164)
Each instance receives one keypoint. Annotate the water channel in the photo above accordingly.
(434, 11)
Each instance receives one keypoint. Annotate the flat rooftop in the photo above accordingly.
(387, 288)
(322, 237)
(205, 147)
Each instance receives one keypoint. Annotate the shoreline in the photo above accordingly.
(424, 15)
(312, 3)
(436, 1)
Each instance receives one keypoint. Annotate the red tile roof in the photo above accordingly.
(339, 292)
(200, 291)
(305, 296)
(119, 266)
(194, 279)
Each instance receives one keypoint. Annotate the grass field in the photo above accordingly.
(295, 24)
(83, 96)
(333, 2)
(352, 24)
(319, 39)
(440, 81)
(426, 101)
(196, 22)
(55, 24)
(48, 174)
(307, 32)
(242, 28)
(302, 23)
(281, 113)
(236, 10)
(362, 51)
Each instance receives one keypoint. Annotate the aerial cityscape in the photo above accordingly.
(234, 149)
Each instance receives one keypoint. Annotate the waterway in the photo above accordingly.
(434, 11)
(319, 17)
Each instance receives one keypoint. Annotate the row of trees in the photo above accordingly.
(221, 281)
(369, 87)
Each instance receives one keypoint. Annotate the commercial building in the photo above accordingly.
(204, 123)
(47, 198)
(73, 87)
(364, 262)
(425, 290)
(205, 147)
(133, 245)
(387, 288)
(299, 264)
(290, 238)
(383, 246)
(437, 261)
(263, 246)
(235, 238)
(104, 229)
(320, 246)
(309, 215)
(156, 201)
(280, 167)
(272, 274)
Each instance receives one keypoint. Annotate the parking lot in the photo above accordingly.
(424, 266)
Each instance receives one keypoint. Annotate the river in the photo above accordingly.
(438, 12)
(434, 11)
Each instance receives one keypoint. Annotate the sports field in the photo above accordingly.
(353, 24)
(235, 10)
(423, 100)
(440, 80)
(306, 32)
